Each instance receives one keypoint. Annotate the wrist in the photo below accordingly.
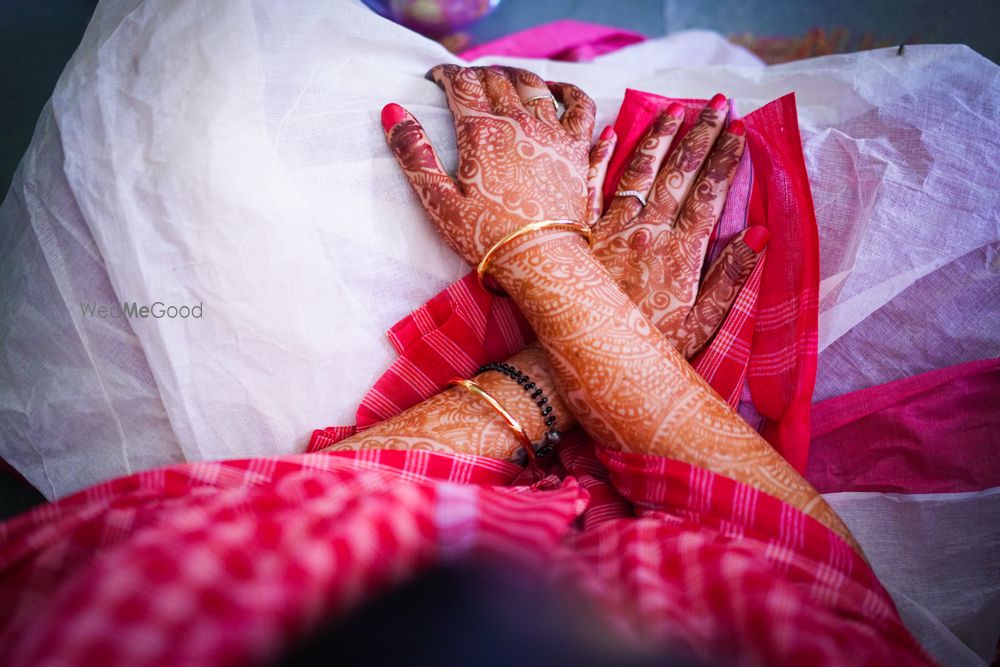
(519, 260)
(531, 362)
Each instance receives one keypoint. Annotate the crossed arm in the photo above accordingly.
(608, 321)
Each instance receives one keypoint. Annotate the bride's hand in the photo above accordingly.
(656, 252)
(518, 161)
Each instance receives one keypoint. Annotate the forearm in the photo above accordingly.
(626, 385)
(456, 421)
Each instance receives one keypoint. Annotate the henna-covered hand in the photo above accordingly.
(656, 252)
(518, 161)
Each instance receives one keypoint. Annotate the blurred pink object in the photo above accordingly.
(570, 40)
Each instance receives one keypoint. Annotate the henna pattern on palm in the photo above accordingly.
(716, 295)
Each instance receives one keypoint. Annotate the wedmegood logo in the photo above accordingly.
(132, 310)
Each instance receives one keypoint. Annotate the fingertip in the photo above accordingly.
(434, 73)
(607, 133)
(756, 238)
(737, 128)
(718, 102)
(675, 110)
(392, 113)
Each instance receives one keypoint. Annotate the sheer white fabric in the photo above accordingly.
(229, 154)
(936, 555)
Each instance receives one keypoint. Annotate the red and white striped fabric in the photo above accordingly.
(226, 563)
(782, 372)
(451, 335)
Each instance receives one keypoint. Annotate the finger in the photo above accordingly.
(578, 119)
(438, 193)
(722, 284)
(600, 156)
(677, 177)
(500, 92)
(463, 90)
(646, 161)
(704, 203)
(535, 95)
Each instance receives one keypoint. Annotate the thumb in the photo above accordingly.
(437, 191)
(722, 284)
(600, 156)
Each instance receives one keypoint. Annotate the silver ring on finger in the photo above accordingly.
(550, 98)
(632, 193)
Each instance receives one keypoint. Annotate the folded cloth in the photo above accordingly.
(226, 563)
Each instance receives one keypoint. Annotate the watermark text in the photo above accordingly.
(133, 310)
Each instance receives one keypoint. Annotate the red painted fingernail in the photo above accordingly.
(676, 110)
(737, 128)
(607, 133)
(718, 102)
(392, 113)
(756, 237)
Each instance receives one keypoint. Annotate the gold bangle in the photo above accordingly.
(564, 225)
(512, 423)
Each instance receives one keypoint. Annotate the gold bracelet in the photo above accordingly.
(512, 423)
(564, 225)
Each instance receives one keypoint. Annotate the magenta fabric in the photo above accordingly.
(570, 40)
(932, 433)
